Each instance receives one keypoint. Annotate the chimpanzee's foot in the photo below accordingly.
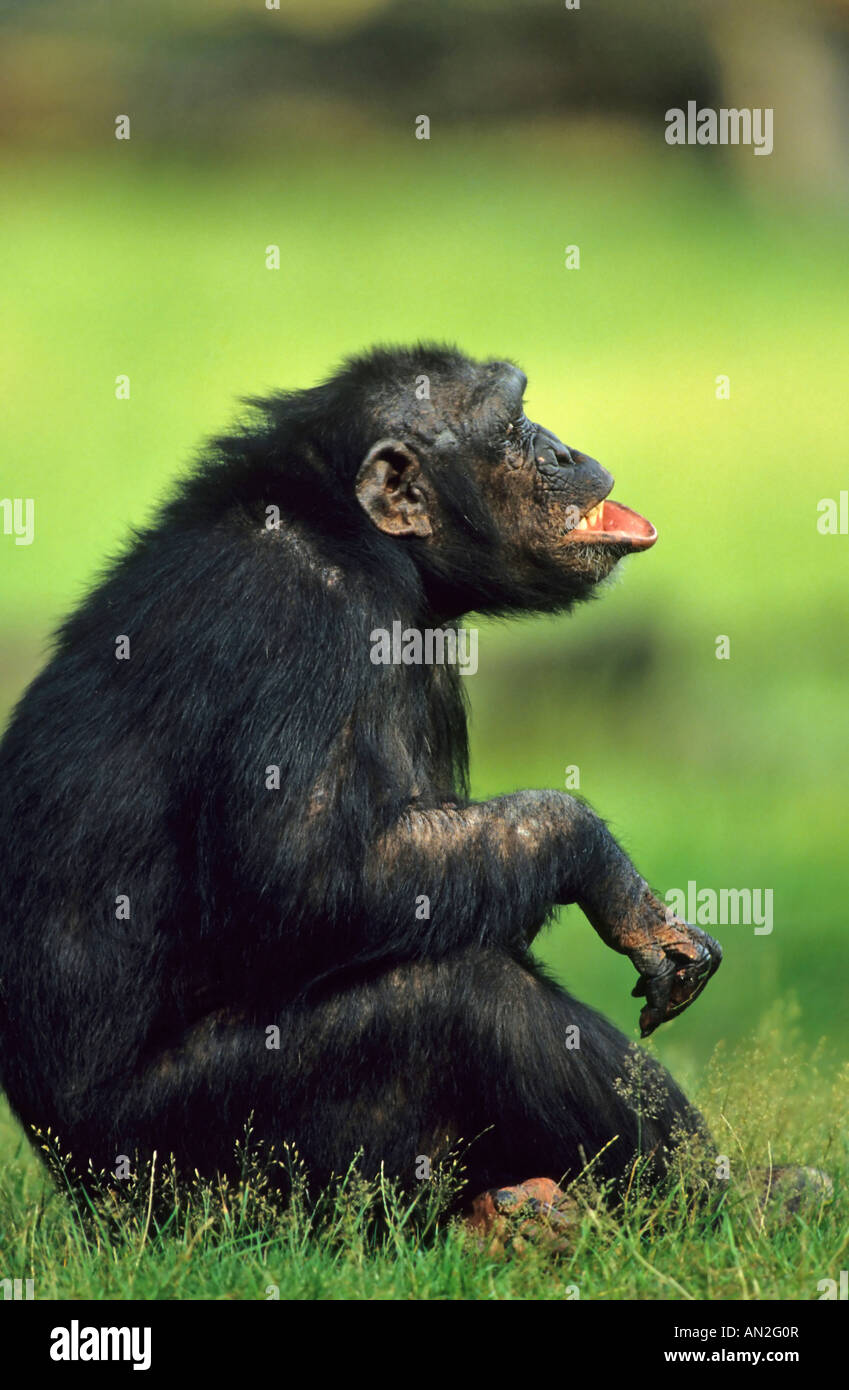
(794, 1189)
(532, 1212)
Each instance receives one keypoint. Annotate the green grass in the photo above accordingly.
(726, 772)
(363, 1241)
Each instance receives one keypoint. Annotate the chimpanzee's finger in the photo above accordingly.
(659, 987)
(708, 954)
(649, 1020)
(689, 985)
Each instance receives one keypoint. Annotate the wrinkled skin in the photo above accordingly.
(534, 489)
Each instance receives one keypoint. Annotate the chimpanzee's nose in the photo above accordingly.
(547, 444)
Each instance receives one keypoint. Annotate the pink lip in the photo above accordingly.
(610, 521)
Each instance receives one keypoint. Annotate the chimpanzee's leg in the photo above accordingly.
(478, 1048)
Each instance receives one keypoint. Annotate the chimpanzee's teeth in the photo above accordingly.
(588, 522)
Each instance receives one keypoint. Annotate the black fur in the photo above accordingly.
(252, 906)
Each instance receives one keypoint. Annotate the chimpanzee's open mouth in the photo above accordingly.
(610, 521)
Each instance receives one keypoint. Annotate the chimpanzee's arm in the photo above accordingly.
(493, 870)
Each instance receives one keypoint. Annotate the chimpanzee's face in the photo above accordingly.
(494, 502)
(552, 498)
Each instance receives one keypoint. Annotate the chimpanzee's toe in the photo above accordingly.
(532, 1212)
(794, 1188)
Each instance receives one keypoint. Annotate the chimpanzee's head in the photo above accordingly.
(497, 512)
(422, 465)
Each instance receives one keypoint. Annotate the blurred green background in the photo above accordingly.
(295, 127)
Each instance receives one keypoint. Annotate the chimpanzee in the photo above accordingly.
(240, 872)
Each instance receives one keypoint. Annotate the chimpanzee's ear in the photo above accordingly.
(388, 493)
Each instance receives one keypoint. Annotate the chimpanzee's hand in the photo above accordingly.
(674, 962)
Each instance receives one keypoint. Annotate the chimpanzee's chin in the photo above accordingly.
(590, 565)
